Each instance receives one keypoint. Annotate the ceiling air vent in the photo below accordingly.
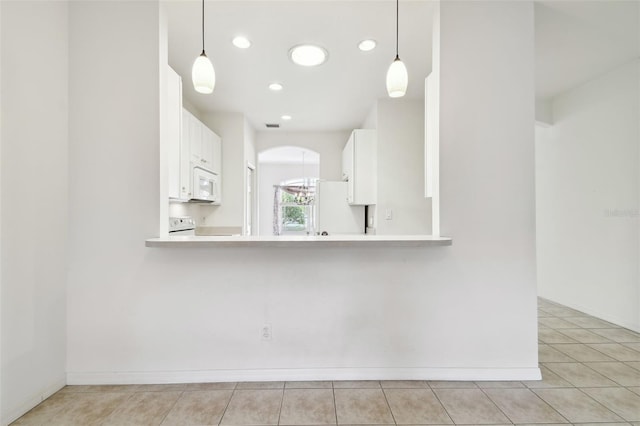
(272, 125)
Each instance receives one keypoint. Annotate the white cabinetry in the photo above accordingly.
(190, 144)
(185, 153)
(359, 167)
(204, 145)
(202, 148)
(174, 129)
(195, 138)
(211, 154)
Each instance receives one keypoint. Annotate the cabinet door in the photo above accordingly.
(174, 130)
(347, 167)
(195, 140)
(206, 159)
(185, 156)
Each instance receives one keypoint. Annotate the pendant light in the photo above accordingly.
(397, 77)
(202, 73)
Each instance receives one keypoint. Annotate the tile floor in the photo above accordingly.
(590, 368)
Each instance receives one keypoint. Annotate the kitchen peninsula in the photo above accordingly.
(296, 241)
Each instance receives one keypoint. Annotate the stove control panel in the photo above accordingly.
(181, 224)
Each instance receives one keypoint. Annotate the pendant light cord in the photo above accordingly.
(397, 25)
(203, 27)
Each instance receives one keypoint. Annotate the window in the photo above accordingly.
(296, 207)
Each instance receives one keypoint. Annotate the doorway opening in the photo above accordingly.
(287, 177)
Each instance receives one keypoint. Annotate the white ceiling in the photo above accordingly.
(575, 41)
(579, 40)
(334, 96)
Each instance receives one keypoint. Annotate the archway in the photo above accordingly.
(286, 175)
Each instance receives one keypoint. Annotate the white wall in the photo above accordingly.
(587, 171)
(274, 174)
(151, 315)
(34, 202)
(328, 144)
(487, 201)
(400, 125)
(230, 126)
(371, 120)
(544, 113)
(189, 106)
(114, 175)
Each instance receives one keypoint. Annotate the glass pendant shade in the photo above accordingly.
(203, 75)
(397, 79)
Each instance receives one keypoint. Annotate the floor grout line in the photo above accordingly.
(384, 394)
(335, 405)
(281, 403)
(172, 406)
(226, 407)
(441, 404)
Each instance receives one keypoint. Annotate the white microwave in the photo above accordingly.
(205, 186)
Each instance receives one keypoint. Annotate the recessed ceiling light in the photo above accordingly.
(308, 55)
(276, 87)
(286, 117)
(241, 42)
(367, 45)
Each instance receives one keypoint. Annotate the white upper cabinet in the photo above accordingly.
(195, 140)
(185, 156)
(359, 158)
(174, 130)
(189, 142)
(211, 151)
(204, 145)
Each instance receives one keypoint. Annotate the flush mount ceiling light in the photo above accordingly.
(276, 87)
(241, 42)
(308, 55)
(202, 73)
(397, 76)
(367, 45)
(286, 117)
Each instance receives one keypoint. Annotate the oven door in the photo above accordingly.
(205, 185)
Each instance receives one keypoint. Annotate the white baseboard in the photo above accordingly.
(287, 374)
(32, 401)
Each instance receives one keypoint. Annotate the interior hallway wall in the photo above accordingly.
(587, 198)
(34, 203)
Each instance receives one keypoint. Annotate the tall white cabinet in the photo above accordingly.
(174, 129)
(359, 167)
(191, 144)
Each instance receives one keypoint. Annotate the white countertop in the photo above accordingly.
(299, 241)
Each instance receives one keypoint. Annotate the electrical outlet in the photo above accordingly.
(265, 332)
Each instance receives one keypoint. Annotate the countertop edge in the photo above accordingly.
(284, 241)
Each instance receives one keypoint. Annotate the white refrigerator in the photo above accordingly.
(334, 215)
